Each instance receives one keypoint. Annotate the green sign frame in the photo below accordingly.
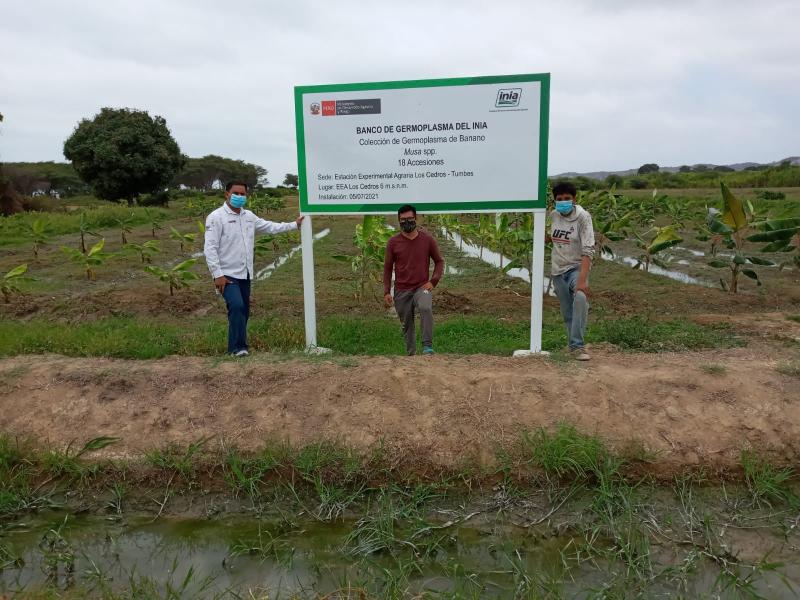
(523, 205)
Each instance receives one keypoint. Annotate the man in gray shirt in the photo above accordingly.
(572, 235)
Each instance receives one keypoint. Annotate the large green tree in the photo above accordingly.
(123, 153)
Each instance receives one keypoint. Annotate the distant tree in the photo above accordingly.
(10, 200)
(586, 184)
(637, 183)
(123, 153)
(25, 179)
(203, 173)
(685, 169)
(290, 180)
(700, 168)
(724, 169)
(648, 168)
(614, 180)
(261, 177)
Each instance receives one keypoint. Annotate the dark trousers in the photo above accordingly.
(405, 303)
(237, 298)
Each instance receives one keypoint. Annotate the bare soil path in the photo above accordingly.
(441, 410)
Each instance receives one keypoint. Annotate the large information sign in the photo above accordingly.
(443, 145)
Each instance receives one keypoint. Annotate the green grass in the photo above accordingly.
(767, 483)
(795, 318)
(714, 369)
(128, 337)
(176, 459)
(645, 335)
(568, 453)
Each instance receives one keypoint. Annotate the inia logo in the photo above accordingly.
(508, 97)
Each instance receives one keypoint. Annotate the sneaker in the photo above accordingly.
(427, 350)
(580, 354)
(241, 353)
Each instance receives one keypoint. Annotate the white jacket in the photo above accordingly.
(230, 237)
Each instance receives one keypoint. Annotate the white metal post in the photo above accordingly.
(537, 285)
(309, 293)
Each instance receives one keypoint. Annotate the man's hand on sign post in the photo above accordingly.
(299, 220)
(387, 300)
(427, 286)
(582, 287)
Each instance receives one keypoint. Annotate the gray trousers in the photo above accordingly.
(574, 306)
(405, 303)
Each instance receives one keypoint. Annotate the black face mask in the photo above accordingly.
(408, 226)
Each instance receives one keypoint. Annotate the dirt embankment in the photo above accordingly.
(443, 410)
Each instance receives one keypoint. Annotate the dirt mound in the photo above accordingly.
(686, 408)
(448, 302)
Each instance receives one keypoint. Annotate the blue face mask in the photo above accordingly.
(238, 201)
(564, 207)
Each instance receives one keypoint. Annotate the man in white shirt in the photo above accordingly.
(229, 242)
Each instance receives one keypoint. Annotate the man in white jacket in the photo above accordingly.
(572, 235)
(229, 243)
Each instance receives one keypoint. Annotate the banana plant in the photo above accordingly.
(177, 277)
(370, 238)
(646, 210)
(91, 260)
(731, 225)
(521, 242)
(8, 285)
(155, 219)
(85, 229)
(39, 232)
(452, 225)
(200, 206)
(609, 218)
(270, 243)
(145, 250)
(125, 226)
(266, 244)
(501, 236)
(186, 239)
(665, 237)
(781, 235)
(264, 203)
(678, 211)
(482, 232)
(609, 231)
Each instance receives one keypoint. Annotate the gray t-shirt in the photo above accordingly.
(573, 238)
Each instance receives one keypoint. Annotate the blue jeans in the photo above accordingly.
(574, 306)
(237, 298)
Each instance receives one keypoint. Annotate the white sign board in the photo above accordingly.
(454, 145)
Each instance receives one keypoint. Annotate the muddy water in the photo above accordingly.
(487, 556)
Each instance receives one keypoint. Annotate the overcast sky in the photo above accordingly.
(633, 81)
